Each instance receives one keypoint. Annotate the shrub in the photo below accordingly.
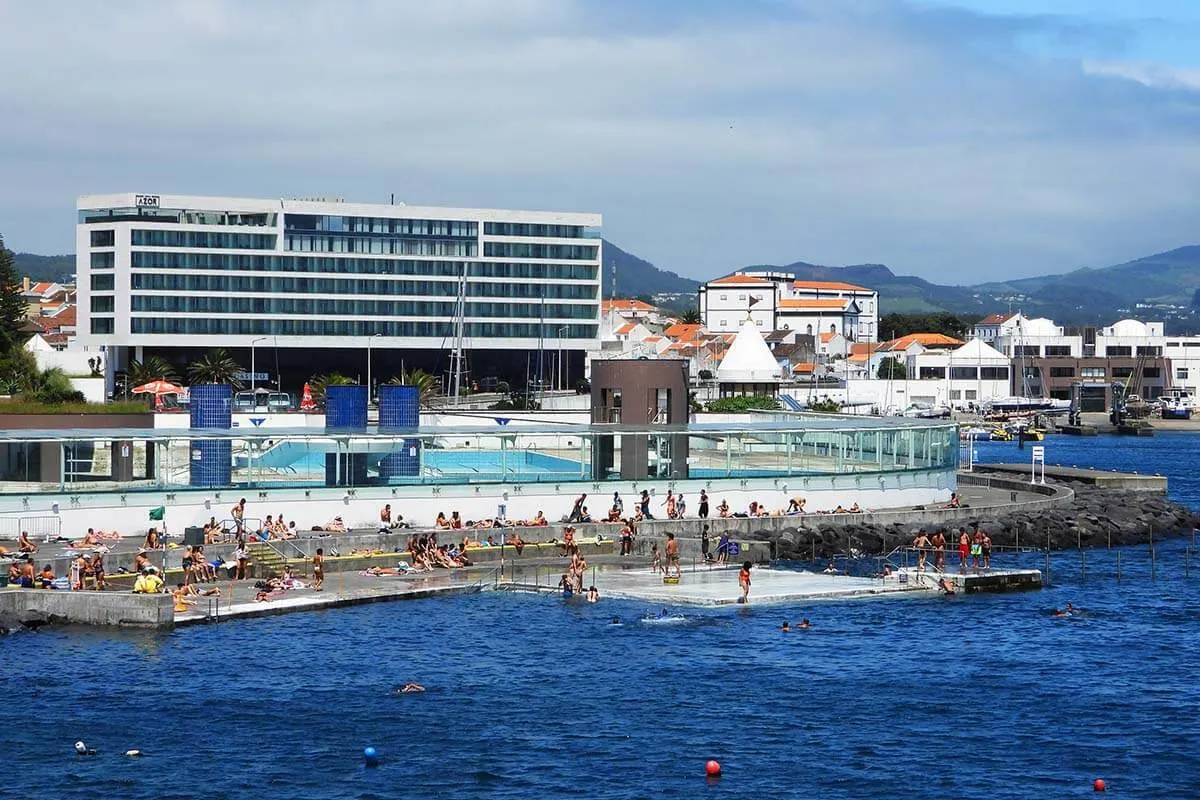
(737, 405)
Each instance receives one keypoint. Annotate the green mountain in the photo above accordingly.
(636, 277)
(45, 268)
(1162, 287)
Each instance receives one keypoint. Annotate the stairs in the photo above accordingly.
(264, 561)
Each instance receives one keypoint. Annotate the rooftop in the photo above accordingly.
(830, 286)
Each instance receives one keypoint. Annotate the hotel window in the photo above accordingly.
(103, 303)
(103, 238)
(1114, 351)
(103, 260)
(1153, 350)
(1181, 373)
(1058, 350)
(993, 373)
(102, 283)
(102, 325)
(1062, 372)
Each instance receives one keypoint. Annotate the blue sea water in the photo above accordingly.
(974, 698)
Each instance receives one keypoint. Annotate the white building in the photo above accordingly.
(318, 285)
(776, 301)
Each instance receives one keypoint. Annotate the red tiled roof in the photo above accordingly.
(685, 331)
(995, 319)
(622, 304)
(823, 303)
(740, 279)
(808, 367)
(624, 329)
(924, 339)
(832, 286)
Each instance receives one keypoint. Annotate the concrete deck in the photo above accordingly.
(994, 580)
(1095, 477)
(719, 586)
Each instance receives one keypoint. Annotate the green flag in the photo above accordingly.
(158, 513)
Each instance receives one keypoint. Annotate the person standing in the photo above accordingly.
(702, 509)
(964, 547)
(744, 582)
(704, 543)
(976, 550)
(645, 503)
(618, 504)
(986, 544)
(939, 551)
(238, 512)
(627, 540)
(922, 545)
(318, 565)
(577, 510)
(242, 557)
(681, 507)
(673, 556)
(670, 504)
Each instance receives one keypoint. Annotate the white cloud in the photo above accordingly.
(807, 130)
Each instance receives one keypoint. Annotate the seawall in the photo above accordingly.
(34, 607)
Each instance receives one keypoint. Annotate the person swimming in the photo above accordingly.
(410, 688)
(785, 627)
(804, 624)
(615, 621)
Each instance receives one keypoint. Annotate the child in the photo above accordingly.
(744, 582)
(655, 559)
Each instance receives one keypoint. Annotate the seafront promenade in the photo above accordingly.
(995, 492)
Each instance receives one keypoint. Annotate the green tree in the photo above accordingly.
(893, 326)
(153, 368)
(690, 317)
(18, 371)
(749, 402)
(12, 305)
(826, 406)
(318, 383)
(53, 386)
(215, 366)
(428, 386)
(891, 369)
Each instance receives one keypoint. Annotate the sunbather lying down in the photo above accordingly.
(400, 569)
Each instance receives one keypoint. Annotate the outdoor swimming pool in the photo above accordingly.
(482, 465)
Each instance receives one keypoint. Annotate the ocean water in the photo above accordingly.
(974, 698)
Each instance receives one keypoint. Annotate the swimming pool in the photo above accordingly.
(476, 465)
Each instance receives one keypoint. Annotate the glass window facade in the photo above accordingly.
(380, 245)
(533, 229)
(103, 238)
(103, 303)
(333, 327)
(103, 325)
(103, 260)
(103, 283)
(219, 239)
(380, 225)
(993, 373)
(570, 252)
(316, 306)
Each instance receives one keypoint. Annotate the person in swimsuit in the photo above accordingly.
(922, 545)
(626, 540)
(744, 582)
(723, 510)
(25, 544)
(705, 556)
(672, 556)
(702, 509)
(964, 547)
(986, 546)
(976, 551)
(785, 627)
(939, 550)
(804, 624)
(318, 565)
(655, 559)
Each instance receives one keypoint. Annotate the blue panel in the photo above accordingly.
(345, 469)
(211, 463)
(346, 408)
(400, 409)
(211, 408)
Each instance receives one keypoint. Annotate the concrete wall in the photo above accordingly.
(359, 508)
(89, 608)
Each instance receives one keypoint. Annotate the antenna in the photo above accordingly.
(612, 262)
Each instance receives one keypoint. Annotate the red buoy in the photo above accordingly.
(712, 768)
(1098, 785)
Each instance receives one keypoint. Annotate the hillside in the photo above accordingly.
(635, 276)
(1158, 287)
(44, 268)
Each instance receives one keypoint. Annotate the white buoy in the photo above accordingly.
(82, 749)
(133, 753)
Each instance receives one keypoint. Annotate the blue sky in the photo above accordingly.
(961, 141)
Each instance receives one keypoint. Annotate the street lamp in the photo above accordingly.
(370, 339)
(252, 370)
(562, 378)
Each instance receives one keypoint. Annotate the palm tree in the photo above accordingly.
(317, 384)
(428, 386)
(153, 368)
(215, 366)
(690, 317)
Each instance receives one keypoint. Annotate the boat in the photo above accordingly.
(975, 433)
(1177, 403)
(1001, 435)
(1018, 405)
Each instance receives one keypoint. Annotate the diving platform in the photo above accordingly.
(993, 580)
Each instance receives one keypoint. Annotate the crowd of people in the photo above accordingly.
(974, 550)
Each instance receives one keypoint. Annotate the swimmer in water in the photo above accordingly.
(1058, 612)
(593, 595)
(785, 627)
(804, 624)
(945, 586)
(615, 621)
(411, 688)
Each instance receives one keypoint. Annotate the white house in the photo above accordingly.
(776, 301)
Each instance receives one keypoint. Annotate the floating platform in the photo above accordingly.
(1079, 430)
(1135, 430)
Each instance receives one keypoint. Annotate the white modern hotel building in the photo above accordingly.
(317, 285)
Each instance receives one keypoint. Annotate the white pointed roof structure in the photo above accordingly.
(749, 359)
(977, 350)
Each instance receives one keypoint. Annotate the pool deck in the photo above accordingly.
(341, 590)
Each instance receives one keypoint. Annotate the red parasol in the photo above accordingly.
(157, 388)
(306, 399)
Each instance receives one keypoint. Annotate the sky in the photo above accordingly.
(957, 140)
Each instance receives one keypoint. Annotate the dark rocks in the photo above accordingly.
(1098, 517)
